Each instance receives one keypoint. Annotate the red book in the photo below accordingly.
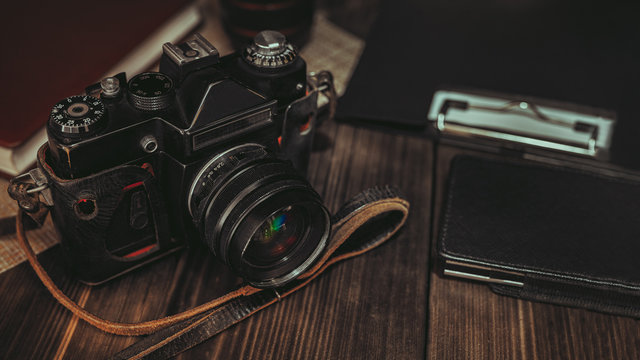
(54, 49)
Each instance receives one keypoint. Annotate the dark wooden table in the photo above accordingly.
(387, 304)
(373, 306)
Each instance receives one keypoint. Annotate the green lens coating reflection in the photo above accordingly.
(278, 222)
(276, 238)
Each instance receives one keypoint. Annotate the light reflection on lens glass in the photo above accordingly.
(275, 238)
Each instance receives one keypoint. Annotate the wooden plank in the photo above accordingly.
(32, 323)
(467, 320)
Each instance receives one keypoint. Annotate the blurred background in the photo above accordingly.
(576, 52)
(56, 49)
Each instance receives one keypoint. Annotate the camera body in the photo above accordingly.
(207, 148)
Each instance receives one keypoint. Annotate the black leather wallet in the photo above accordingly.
(545, 233)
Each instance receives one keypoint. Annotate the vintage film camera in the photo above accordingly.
(208, 148)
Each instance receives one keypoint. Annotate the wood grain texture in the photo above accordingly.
(372, 307)
(467, 320)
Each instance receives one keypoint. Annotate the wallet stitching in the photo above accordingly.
(593, 300)
(511, 266)
(600, 304)
(569, 276)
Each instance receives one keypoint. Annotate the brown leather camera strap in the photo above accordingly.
(363, 223)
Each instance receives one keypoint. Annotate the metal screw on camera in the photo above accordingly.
(110, 86)
(149, 144)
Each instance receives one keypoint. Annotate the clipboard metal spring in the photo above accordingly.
(522, 122)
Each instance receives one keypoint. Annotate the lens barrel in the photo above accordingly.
(259, 216)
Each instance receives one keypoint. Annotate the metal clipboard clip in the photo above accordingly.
(568, 128)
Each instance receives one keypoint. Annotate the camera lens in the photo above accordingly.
(258, 215)
(276, 238)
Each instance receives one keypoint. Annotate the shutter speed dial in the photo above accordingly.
(77, 115)
(270, 50)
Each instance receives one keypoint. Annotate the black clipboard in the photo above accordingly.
(585, 53)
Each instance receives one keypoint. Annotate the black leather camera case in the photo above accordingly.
(95, 241)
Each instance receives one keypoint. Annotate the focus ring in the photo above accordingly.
(236, 208)
(254, 176)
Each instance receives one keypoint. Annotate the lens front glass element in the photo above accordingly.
(276, 238)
